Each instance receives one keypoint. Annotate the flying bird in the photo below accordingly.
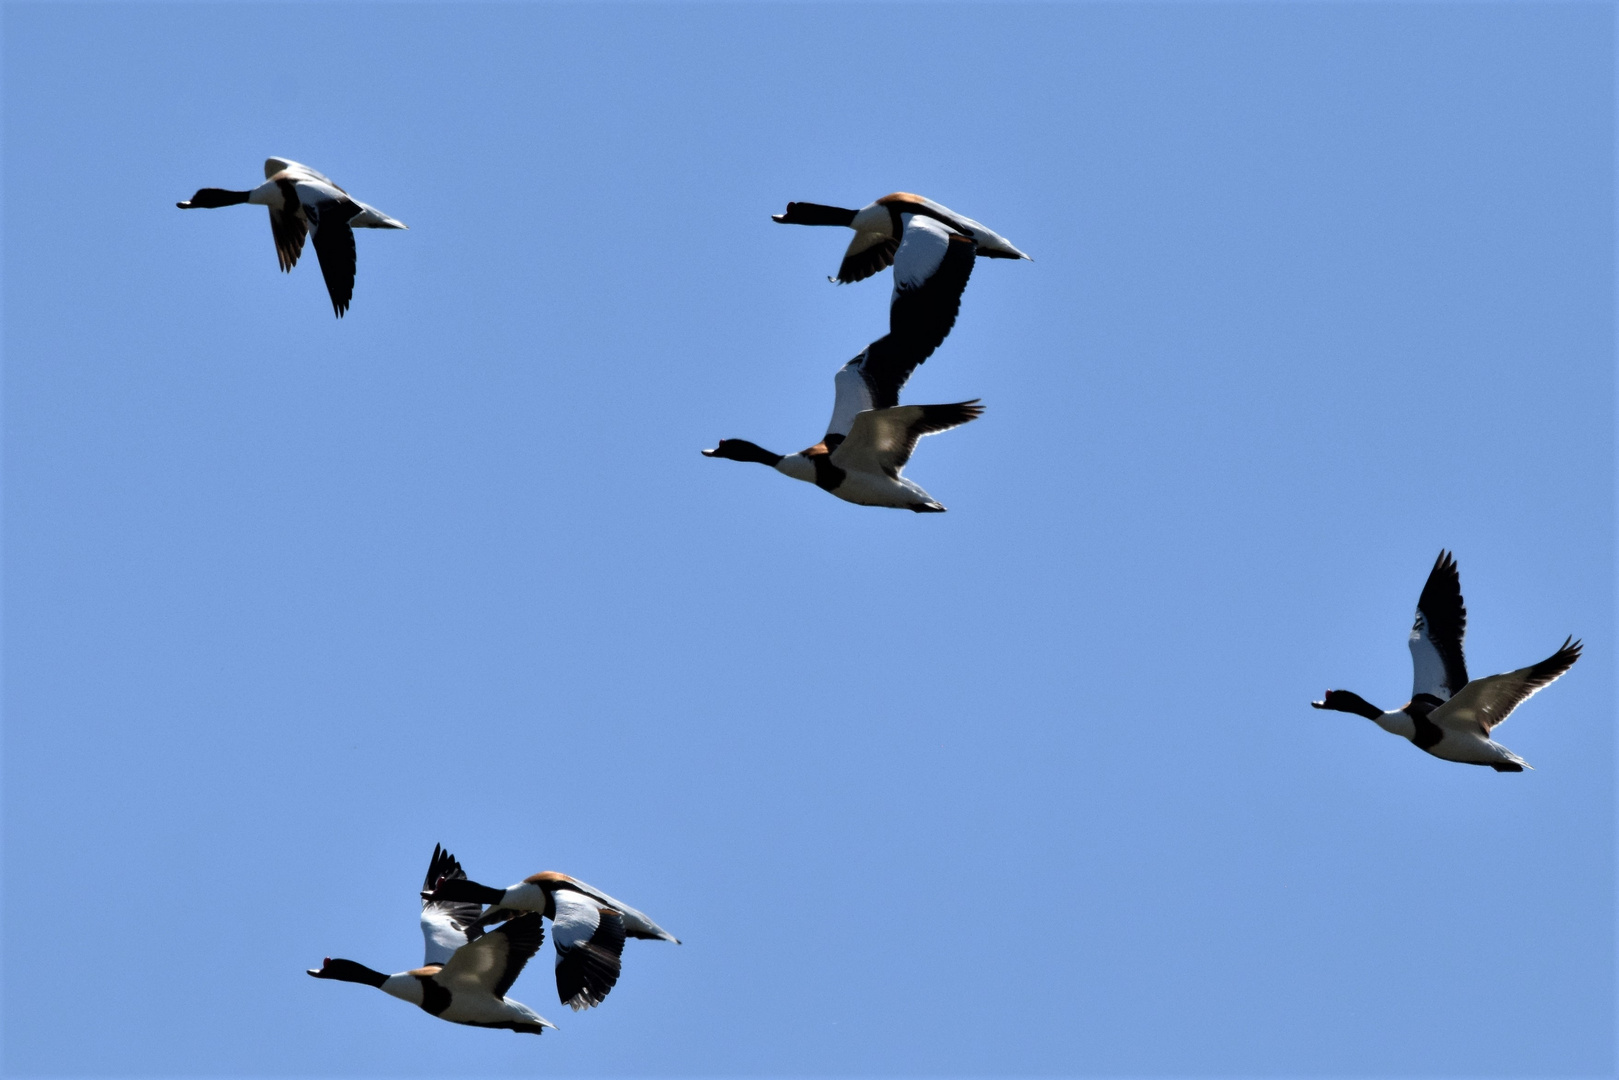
(588, 927)
(1450, 716)
(459, 981)
(302, 201)
(871, 437)
(879, 230)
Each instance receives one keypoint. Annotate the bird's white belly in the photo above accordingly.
(479, 1009)
(878, 489)
(1471, 749)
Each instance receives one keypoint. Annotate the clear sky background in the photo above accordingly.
(1031, 787)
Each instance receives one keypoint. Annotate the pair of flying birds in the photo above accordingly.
(871, 436)
(468, 969)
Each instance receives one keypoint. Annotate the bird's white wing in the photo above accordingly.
(295, 171)
(319, 192)
(444, 922)
(443, 935)
(919, 255)
(853, 396)
(882, 440)
(1484, 703)
(991, 244)
(315, 190)
(589, 940)
(1438, 665)
(636, 923)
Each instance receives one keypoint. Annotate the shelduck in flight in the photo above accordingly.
(302, 200)
(879, 230)
(588, 927)
(871, 436)
(1449, 716)
(462, 982)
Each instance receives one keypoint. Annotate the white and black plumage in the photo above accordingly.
(880, 229)
(302, 201)
(931, 270)
(864, 466)
(870, 436)
(588, 927)
(459, 981)
(1450, 716)
(445, 923)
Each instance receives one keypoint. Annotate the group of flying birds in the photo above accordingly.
(871, 436)
(469, 968)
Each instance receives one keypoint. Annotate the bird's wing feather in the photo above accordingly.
(334, 245)
(287, 229)
(636, 923)
(589, 941)
(919, 254)
(991, 244)
(494, 961)
(1438, 664)
(930, 274)
(443, 935)
(882, 440)
(445, 922)
(369, 217)
(297, 170)
(1484, 703)
(576, 919)
(868, 253)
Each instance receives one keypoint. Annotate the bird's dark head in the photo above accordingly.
(1346, 701)
(348, 971)
(743, 450)
(808, 213)
(209, 198)
(460, 890)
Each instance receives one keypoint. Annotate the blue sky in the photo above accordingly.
(1031, 787)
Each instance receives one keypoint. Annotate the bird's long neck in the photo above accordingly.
(1402, 722)
(1345, 701)
(462, 890)
(743, 450)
